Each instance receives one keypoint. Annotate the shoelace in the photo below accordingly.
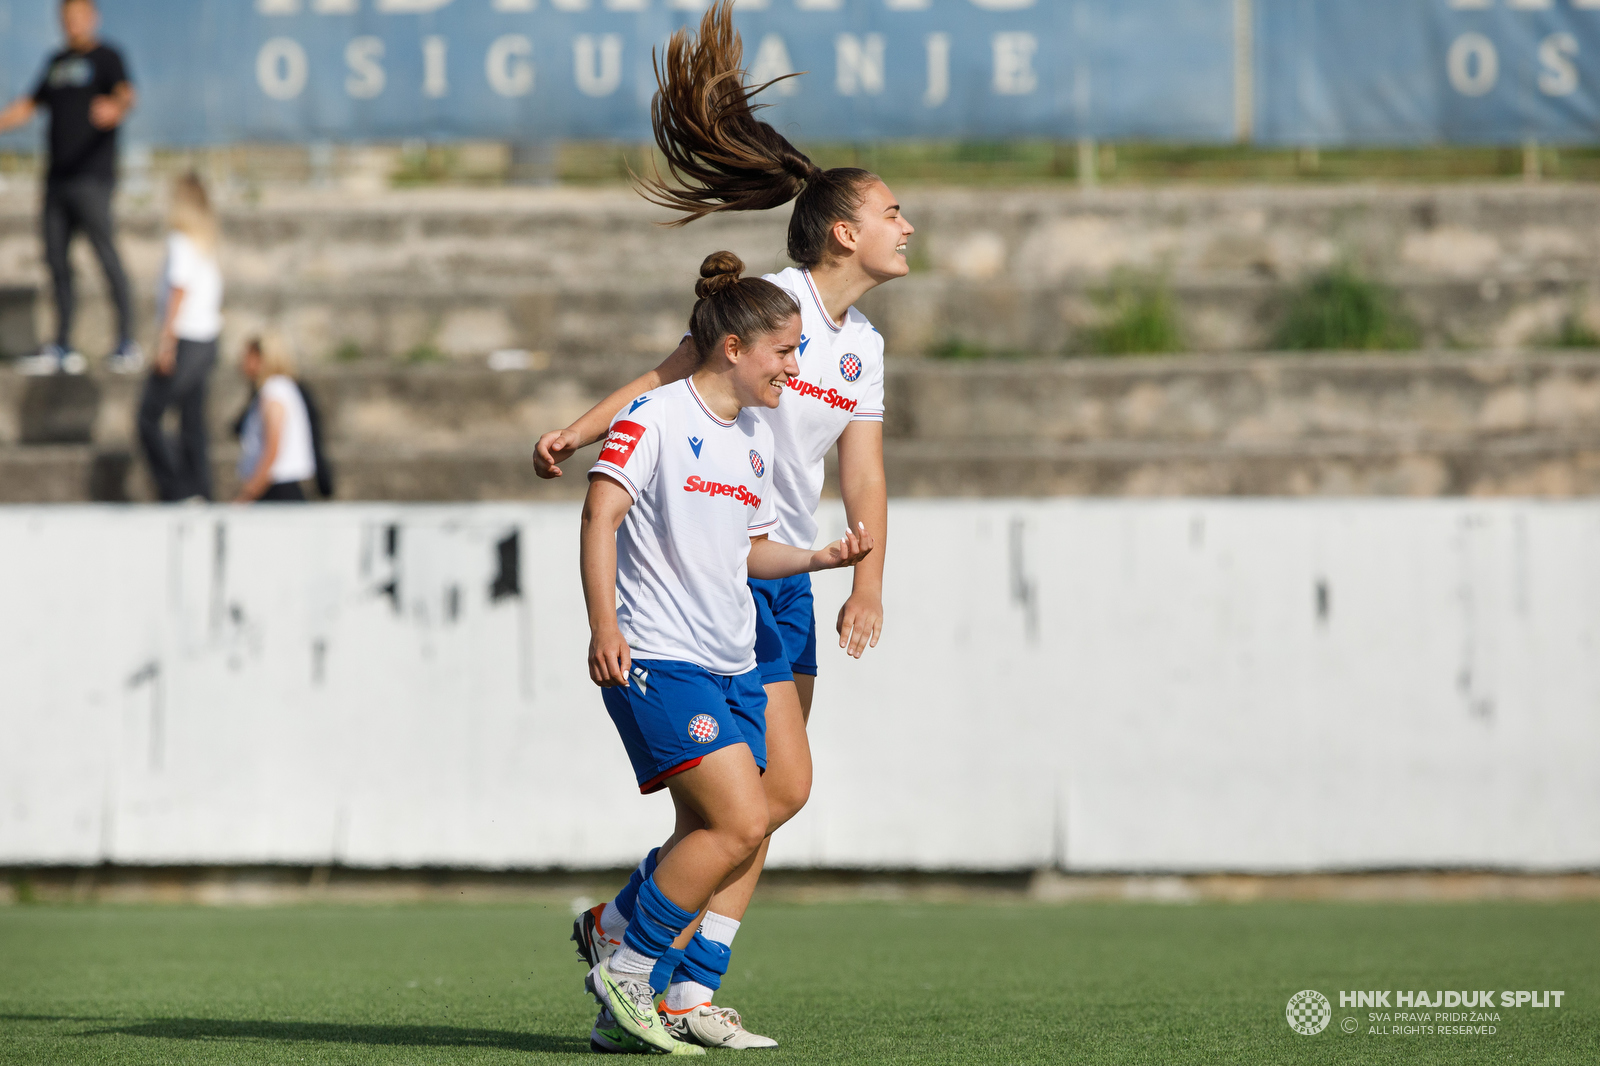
(728, 1016)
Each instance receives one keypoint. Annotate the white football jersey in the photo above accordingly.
(841, 381)
(701, 489)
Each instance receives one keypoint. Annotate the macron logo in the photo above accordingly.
(804, 340)
(696, 443)
(640, 402)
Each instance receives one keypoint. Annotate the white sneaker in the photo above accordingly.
(74, 363)
(42, 364)
(712, 1026)
(127, 359)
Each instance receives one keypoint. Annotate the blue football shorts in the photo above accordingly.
(675, 713)
(786, 628)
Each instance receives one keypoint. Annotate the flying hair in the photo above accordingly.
(720, 157)
(745, 308)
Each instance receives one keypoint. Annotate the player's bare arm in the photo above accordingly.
(866, 504)
(557, 446)
(603, 511)
(770, 560)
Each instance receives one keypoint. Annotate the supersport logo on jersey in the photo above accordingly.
(830, 397)
(620, 442)
(717, 488)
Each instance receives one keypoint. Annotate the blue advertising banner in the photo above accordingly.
(228, 70)
(1421, 71)
(1275, 71)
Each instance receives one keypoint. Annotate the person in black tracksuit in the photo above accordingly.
(86, 89)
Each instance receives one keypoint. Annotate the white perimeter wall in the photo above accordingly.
(1100, 685)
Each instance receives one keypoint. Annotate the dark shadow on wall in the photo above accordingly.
(336, 1033)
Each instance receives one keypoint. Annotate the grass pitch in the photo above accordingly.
(867, 983)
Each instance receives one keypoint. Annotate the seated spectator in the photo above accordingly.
(276, 448)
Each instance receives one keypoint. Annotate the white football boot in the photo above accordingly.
(594, 945)
(712, 1026)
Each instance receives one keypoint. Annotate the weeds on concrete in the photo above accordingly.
(1575, 333)
(1340, 311)
(348, 352)
(424, 353)
(958, 349)
(1139, 319)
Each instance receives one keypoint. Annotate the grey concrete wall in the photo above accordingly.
(576, 273)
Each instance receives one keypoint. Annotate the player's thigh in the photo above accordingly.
(788, 777)
(724, 789)
(805, 685)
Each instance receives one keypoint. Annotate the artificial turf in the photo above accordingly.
(835, 983)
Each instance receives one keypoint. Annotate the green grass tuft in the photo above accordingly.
(1011, 984)
(1574, 333)
(1340, 311)
(425, 353)
(348, 352)
(1139, 319)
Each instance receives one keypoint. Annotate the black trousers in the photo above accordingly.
(183, 470)
(284, 492)
(70, 206)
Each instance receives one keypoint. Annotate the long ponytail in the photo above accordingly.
(720, 157)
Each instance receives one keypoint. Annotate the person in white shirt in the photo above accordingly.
(276, 452)
(677, 517)
(190, 311)
(847, 236)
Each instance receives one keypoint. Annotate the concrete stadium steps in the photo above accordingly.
(578, 273)
(1286, 425)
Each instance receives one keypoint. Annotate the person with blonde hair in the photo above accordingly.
(276, 449)
(190, 310)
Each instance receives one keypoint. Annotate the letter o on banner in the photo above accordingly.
(508, 66)
(281, 68)
(1474, 64)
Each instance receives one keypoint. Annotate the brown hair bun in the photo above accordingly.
(719, 272)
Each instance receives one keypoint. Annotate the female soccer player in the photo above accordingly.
(679, 507)
(847, 236)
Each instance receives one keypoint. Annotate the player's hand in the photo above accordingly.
(609, 659)
(105, 112)
(554, 448)
(860, 622)
(848, 550)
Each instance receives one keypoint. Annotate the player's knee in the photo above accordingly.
(786, 798)
(746, 831)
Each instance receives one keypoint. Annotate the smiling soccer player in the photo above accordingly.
(676, 520)
(846, 236)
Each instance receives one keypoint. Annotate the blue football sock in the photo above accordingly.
(630, 892)
(656, 923)
(704, 962)
(665, 969)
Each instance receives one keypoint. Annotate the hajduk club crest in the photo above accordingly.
(703, 729)
(756, 464)
(850, 367)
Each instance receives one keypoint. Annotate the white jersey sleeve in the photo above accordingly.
(632, 447)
